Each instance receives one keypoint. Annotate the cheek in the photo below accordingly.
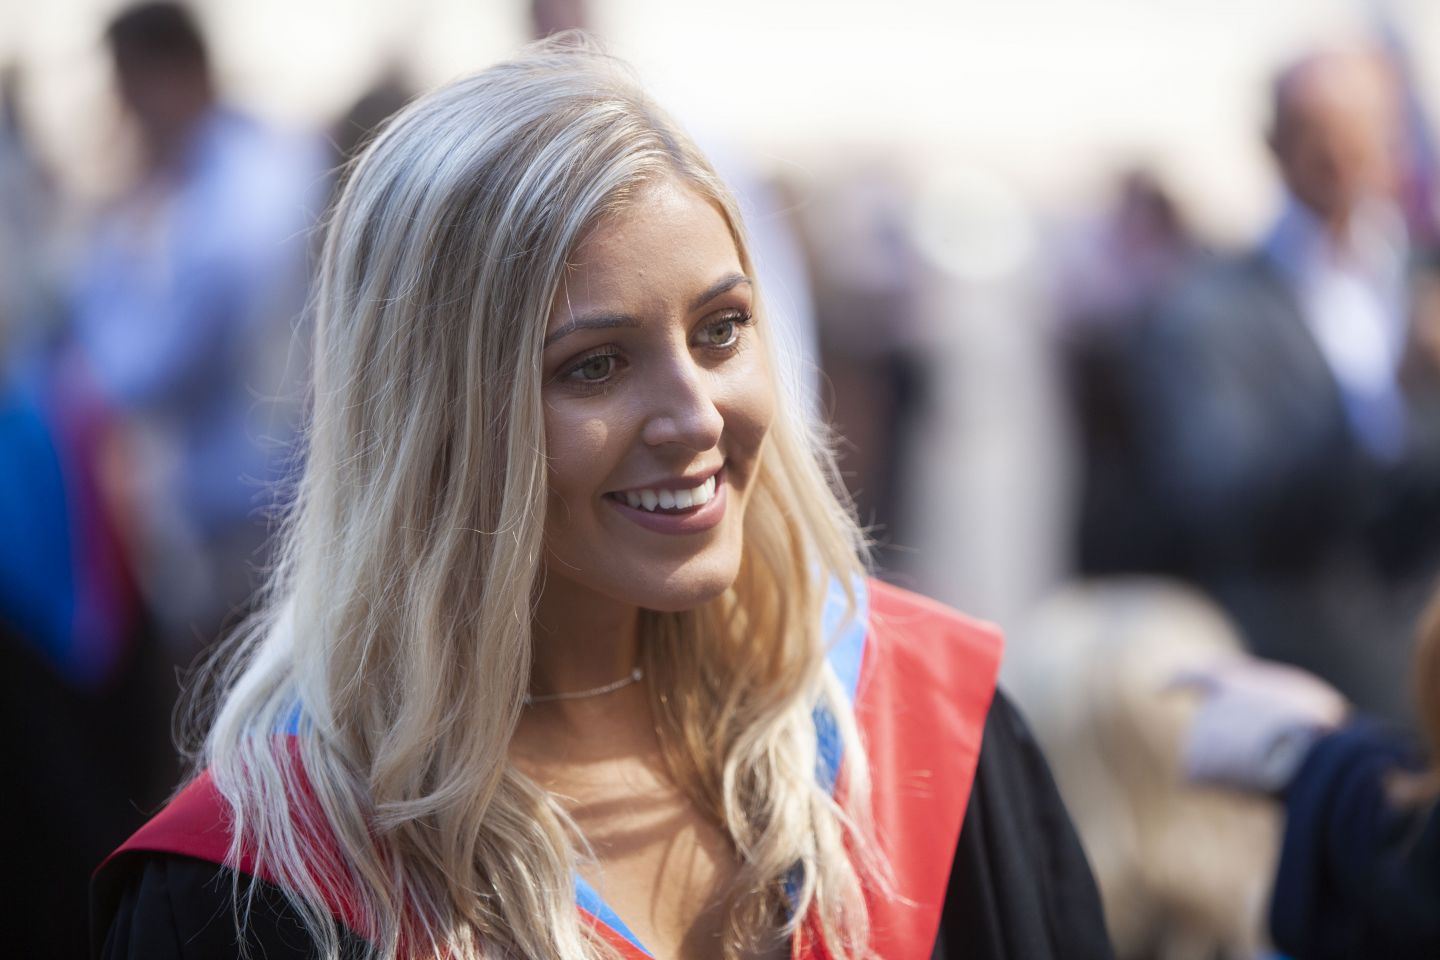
(577, 449)
(748, 402)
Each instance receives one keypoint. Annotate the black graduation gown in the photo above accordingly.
(1020, 887)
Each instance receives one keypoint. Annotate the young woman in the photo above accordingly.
(571, 653)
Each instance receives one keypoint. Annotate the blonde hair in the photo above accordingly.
(397, 632)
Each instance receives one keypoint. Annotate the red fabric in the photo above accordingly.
(623, 947)
(194, 824)
(197, 824)
(926, 682)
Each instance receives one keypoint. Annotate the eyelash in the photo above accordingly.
(568, 375)
(739, 318)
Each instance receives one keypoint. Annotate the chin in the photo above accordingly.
(640, 581)
(690, 587)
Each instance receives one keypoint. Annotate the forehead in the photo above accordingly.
(1350, 87)
(666, 245)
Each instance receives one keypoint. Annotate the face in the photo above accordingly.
(166, 100)
(658, 396)
(1339, 145)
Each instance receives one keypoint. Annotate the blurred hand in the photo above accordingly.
(1256, 722)
(1422, 357)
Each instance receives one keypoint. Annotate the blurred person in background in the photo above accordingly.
(1113, 272)
(28, 254)
(1185, 871)
(183, 305)
(80, 703)
(1117, 266)
(370, 111)
(927, 283)
(1276, 433)
(1359, 867)
(866, 283)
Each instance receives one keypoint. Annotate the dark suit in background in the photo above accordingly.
(1267, 496)
(1286, 462)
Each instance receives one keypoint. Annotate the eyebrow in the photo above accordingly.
(723, 285)
(611, 321)
(597, 321)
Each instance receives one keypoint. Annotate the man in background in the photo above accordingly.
(183, 308)
(1290, 458)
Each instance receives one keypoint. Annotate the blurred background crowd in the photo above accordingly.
(1126, 315)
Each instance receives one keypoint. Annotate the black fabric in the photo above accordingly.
(1020, 887)
(1262, 495)
(82, 768)
(177, 908)
(1358, 876)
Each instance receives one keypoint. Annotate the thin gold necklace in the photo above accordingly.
(635, 676)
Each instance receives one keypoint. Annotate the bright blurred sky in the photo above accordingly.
(1049, 95)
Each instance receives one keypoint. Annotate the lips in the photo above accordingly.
(678, 508)
(669, 499)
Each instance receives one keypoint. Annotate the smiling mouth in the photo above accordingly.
(668, 501)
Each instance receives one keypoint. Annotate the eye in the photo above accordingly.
(596, 368)
(723, 332)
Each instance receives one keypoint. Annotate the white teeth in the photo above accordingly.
(671, 499)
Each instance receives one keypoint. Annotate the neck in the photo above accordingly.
(170, 139)
(581, 641)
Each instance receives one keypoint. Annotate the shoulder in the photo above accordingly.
(923, 645)
(925, 683)
(1020, 884)
(929, 712)
(1012, 764)
(133, 893)
(894, 611)
(171, 907)
(195, 823)
(1012, 778)
(196, 829)
(1356, 866)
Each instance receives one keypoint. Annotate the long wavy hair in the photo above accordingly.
(394, 647)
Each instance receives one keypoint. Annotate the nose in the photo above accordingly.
(683, 409)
